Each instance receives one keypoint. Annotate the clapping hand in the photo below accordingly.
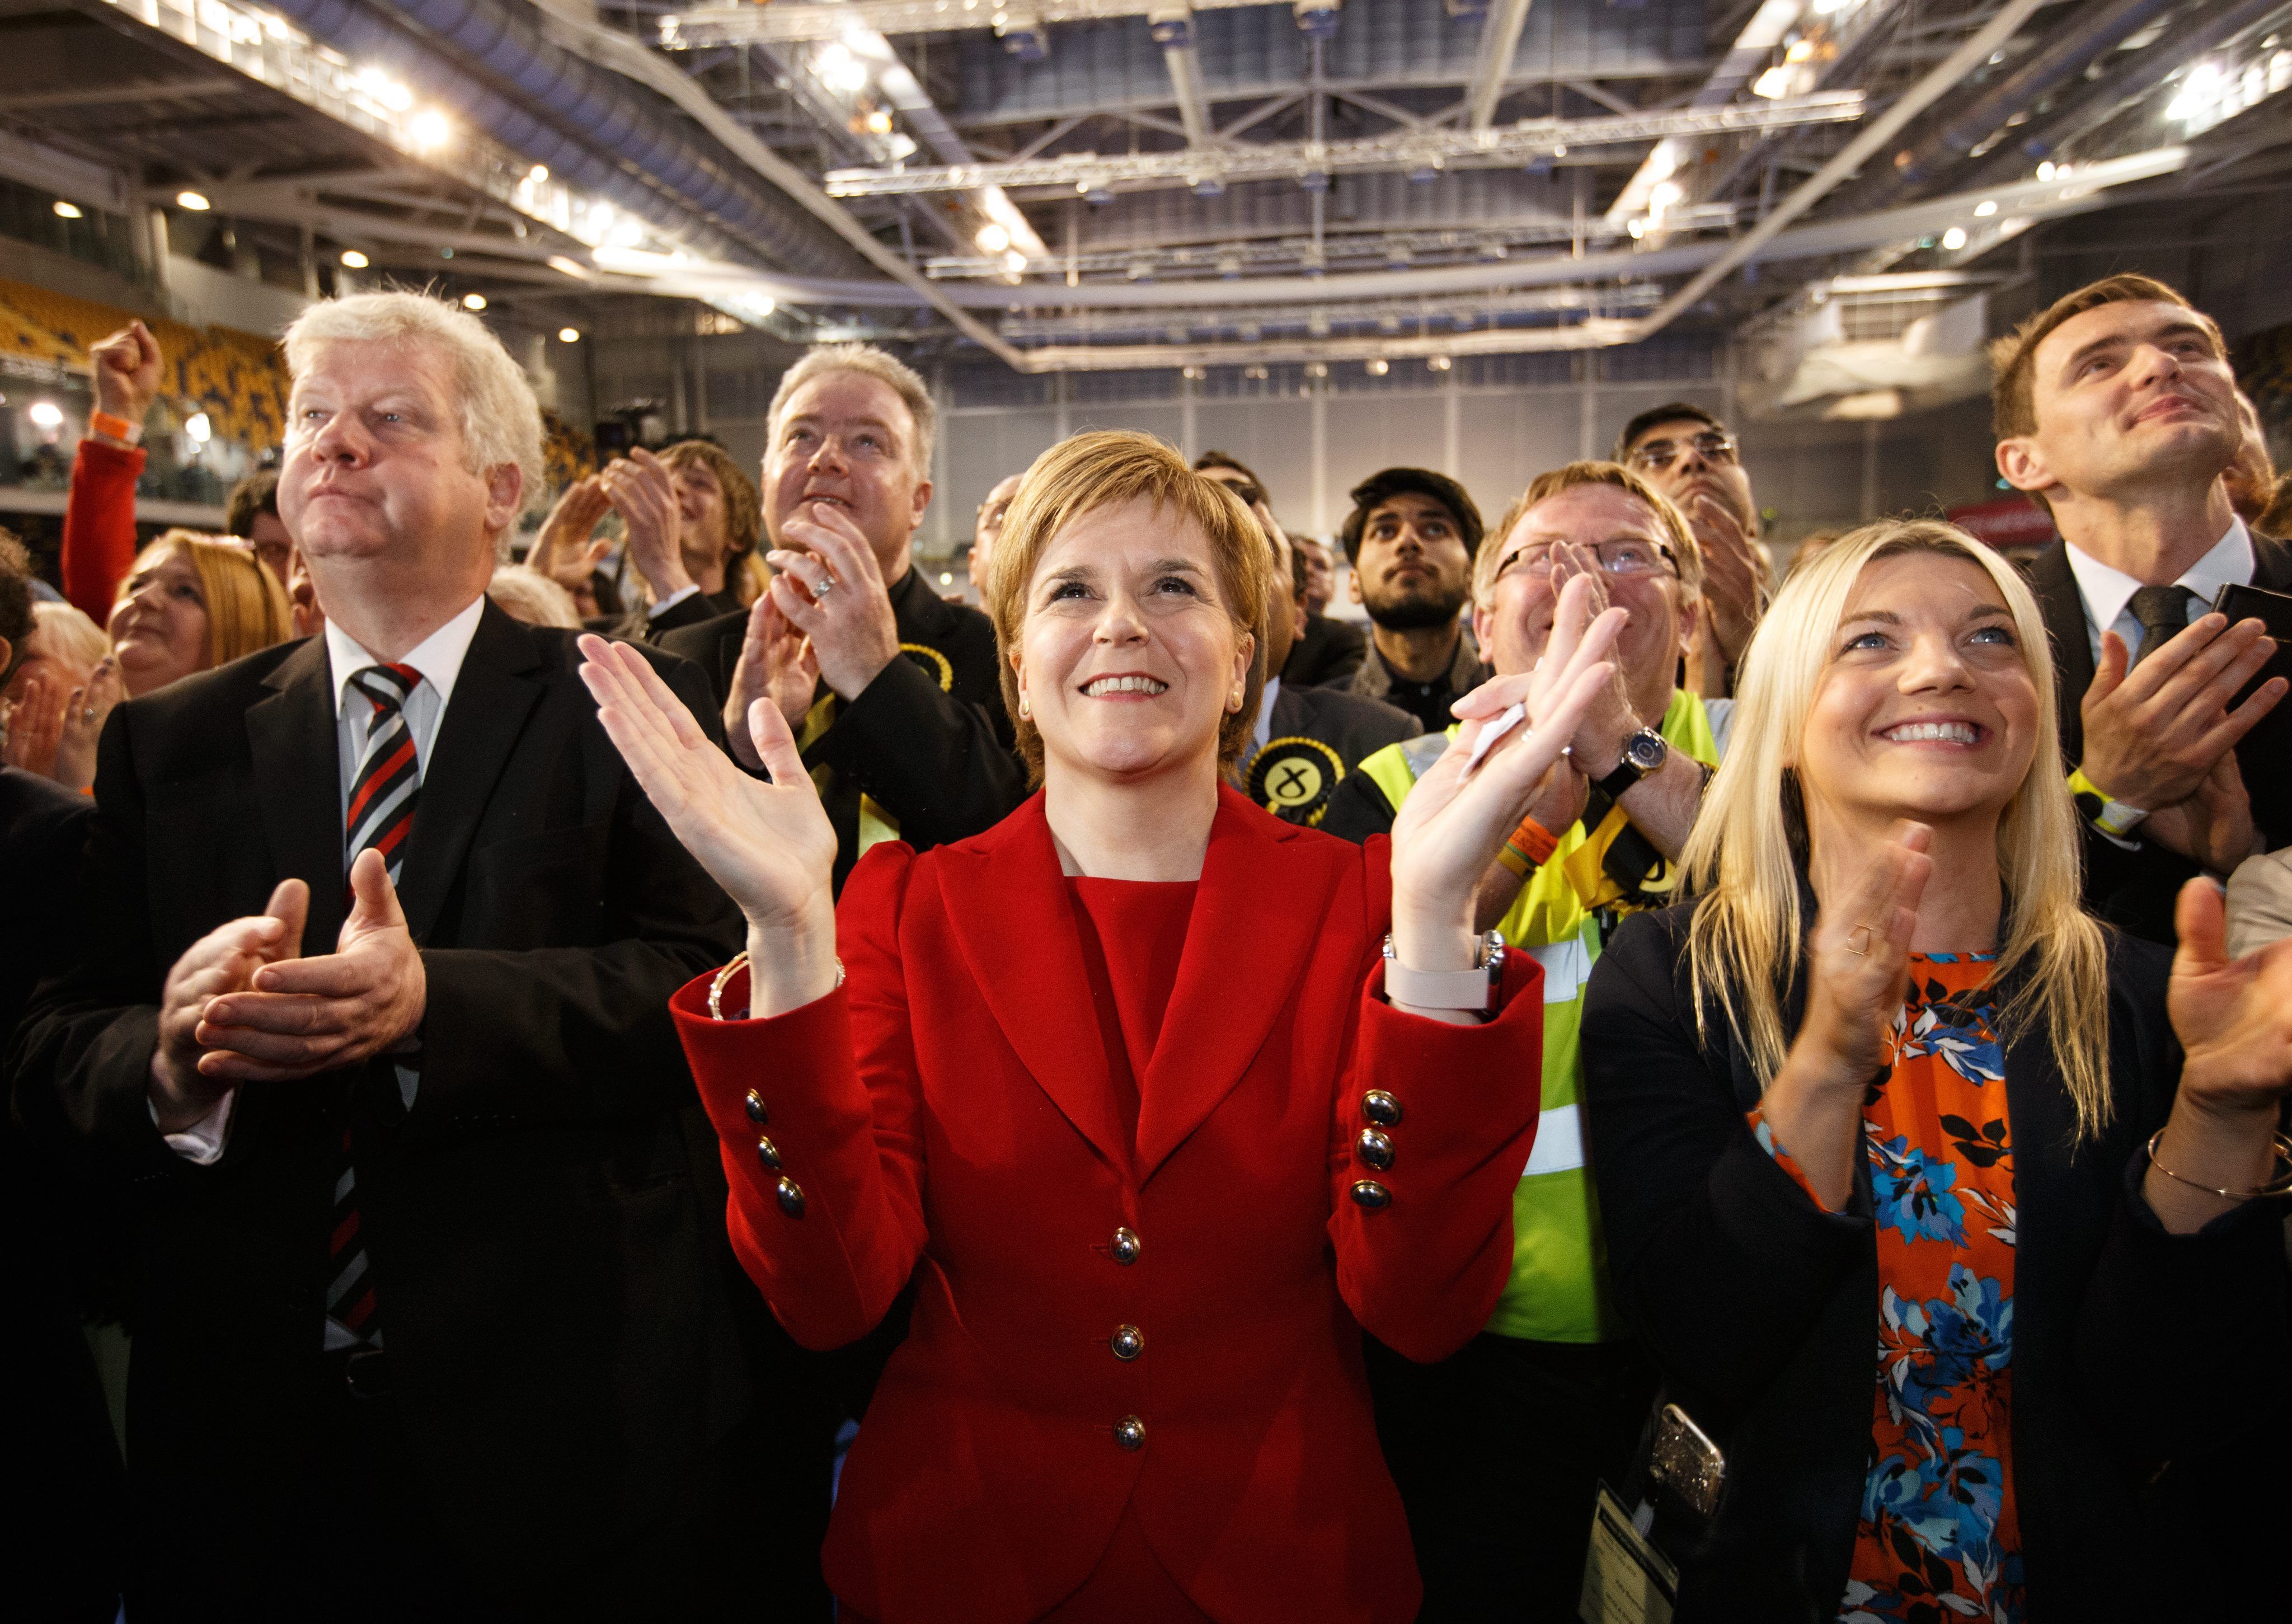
(563, 551)
(770, 845)
(2213, 827)
(224, 960)
(1451, 826)
(644, 492)
(2154, 730)
(829, 586)
(85, 714)
(36, 723)
(1858, 962)
(1733, 573)
(776, 665)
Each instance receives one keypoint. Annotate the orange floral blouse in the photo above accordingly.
(1939, 1540)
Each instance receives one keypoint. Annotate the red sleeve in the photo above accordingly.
(836, 1085)
(100, 525)
(1423, 1273)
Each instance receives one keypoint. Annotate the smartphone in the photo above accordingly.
(1685, 1460)
(2272, 609)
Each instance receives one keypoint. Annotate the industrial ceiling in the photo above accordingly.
(1112, 185)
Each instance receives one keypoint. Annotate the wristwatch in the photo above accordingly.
(1644, 752)
(1475, 989)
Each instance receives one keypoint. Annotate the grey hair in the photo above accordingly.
(501, 420)
(887, 370)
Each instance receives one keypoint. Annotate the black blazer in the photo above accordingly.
(641, 625)
(1328, 653)
(2135, 890)
(927, 741)
(2131, 1348)
(545, 1224)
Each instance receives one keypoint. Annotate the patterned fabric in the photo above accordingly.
(389, 779)
(1938, 1539)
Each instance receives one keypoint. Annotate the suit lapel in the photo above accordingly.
(2064, 609)
(492, 697)
(1008, 908)
(1256, 915)
(297, 760)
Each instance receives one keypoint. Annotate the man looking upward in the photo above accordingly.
(1410, 539)
(1691, 457)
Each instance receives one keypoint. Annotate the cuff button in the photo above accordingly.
(1368, 1193)
(1379, 1106)
(791, 1198)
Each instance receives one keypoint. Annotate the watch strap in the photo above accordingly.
(2115, 819)
(1627, 772)
(1474, 988)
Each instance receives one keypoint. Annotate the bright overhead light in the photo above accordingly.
(1664, 194)
(430, 129)
(537, 173)
(636, 261)
(993, 238)
(572, 268)
(839, 69)
(67, 211)
(354, 260)
(1378, 368)
(1774, 83)
(196, 202)
(199, 428)
(1638, 229)
(47, 413)
(1953, 239)
(1015, 261)
(1438, 363)
(473, 302)
(1984, 209)
(2045, 172)
(568, 336)
(2203, 87)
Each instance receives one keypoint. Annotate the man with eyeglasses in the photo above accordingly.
(1498, 1449)
(1411, 539)
(1691, 457)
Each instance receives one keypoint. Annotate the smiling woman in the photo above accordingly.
(1827, 1101)
(1140, 1044)
(191, 603)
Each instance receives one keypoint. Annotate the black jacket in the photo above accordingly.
(641, 625)
(2135, 890)
(545, 1224)
(927, 741)
(2131, 1348)
(1329, 653)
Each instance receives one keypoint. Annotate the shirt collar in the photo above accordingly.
(2106, 589)
(437, 657)
(1265, 729)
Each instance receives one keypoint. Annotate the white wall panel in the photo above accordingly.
(1275, 437)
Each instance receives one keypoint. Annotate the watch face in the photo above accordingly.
(1645, 751)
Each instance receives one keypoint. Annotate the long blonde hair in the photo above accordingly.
(246, 607)
(1745, 945)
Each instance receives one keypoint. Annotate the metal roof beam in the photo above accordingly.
(786, 22)
(1492, 63)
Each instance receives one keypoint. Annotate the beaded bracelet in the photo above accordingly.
(2280, 1185)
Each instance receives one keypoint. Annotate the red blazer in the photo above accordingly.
(951, 1107)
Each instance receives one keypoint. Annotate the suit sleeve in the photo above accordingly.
(556, 1032)
(82, 1056)
(1357, 809)
(932, 761)
(1704, 1228)
(841, 1102)
(98, 544)
(1423, 1273)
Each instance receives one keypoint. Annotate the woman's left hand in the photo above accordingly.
(1451, 826)
(84, 715)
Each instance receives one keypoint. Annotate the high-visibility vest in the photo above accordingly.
(1558, 1290)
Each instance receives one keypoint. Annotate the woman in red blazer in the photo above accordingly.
(1122, 1083)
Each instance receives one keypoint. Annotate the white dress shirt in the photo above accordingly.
(1264, 732)
(2108, 591)
(439, 659)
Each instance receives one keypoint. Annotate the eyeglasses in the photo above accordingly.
(1623, 556)
(1711, 446)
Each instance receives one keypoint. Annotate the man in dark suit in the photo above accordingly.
(1307, 738)
(1327, 651)
(432, 1313)
(2116, 409)
(893, 692)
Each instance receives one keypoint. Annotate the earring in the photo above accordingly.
(1234, 704)
(1023, 712)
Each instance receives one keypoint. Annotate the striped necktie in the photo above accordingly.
(380, 814)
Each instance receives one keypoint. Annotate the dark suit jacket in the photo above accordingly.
(2131, 1348)
(2135, 890)
(948, 1111)
(641, 625)
(1352, 725)
(543, 1224)
(927, 741)
(1329, 653)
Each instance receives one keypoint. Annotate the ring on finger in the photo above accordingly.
(826, 585)
(1859, 940)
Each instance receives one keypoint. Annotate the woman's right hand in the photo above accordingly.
(1857, 962)
(84, 715)
(770, 845)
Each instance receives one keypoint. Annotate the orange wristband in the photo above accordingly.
(115, 428)
(1533, 842)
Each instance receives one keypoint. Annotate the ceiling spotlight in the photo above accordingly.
(196, 202)
(1317, 369)
(568, 336)
(428, 129)
(2044, 172)
(993, 238)
(537, 173)
(1378, 368)
(1015, 261)
(1953, 239)
(353, 260)
(1984, 209)
(199, 428)
(1438, 363)
(473, 302)
(67, 211)
(47, 413)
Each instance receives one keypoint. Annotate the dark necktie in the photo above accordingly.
(2163, 613)
(380, 814)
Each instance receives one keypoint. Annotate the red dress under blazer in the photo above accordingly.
(951, 1107)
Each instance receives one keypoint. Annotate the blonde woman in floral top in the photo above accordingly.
(1872, 1127)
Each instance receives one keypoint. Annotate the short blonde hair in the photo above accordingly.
(1544, 486)
(1107, 468)
(525, 593)
(247, 609)
(501, 419)
(887, 370)
(1743, 856)
(61, 632)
